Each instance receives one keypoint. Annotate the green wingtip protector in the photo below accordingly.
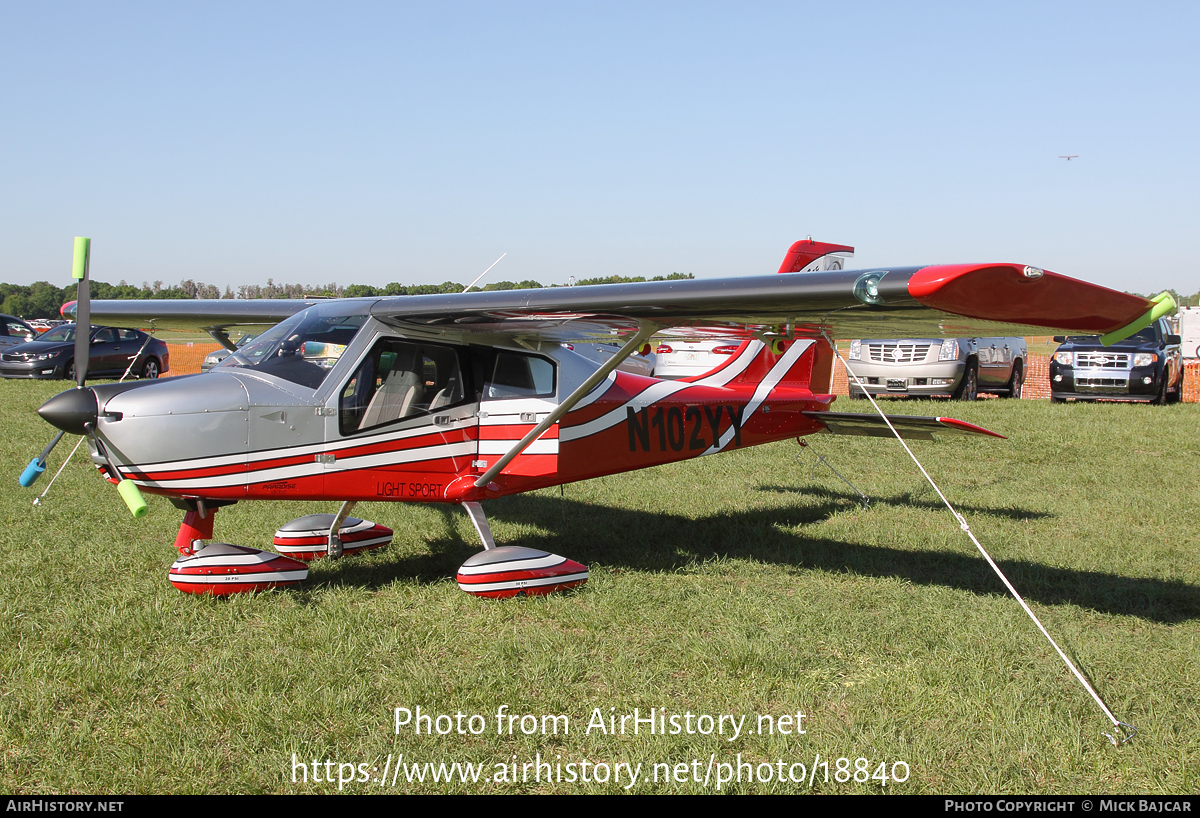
(1164, 304)
(83, 247)
(133, 498)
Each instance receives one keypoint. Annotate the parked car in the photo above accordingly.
(684, 359)
(638, 363)
(41, 325)
(14, 331)
(52, 354)
(958, 367)
(1147, 367)
(217, 355)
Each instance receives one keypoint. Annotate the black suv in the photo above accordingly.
(1147, 366)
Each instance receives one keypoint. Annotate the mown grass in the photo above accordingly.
(741, 584)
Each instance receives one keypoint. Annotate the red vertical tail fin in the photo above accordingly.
(807, 252)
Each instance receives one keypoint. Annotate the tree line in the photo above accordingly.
(44, 300)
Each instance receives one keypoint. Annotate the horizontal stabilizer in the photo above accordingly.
(910, 427)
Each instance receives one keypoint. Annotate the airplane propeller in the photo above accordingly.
(83, 308)
(75, 411)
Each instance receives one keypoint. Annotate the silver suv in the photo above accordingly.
(958, 367)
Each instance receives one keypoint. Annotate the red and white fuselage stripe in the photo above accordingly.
(761, 392)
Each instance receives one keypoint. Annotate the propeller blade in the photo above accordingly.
(83, 312)
(79, 270)
(126, 488)
(38, 465)
(75, 412)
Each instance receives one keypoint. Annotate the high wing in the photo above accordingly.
(210, 315)
(950, 300)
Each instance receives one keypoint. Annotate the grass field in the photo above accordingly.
(738, 585)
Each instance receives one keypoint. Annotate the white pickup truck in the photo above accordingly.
(1189, 331)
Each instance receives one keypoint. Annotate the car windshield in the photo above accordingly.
(61, 334)
(302, 349)
(1147, 335)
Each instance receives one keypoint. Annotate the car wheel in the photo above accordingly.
(968, 387)
(1016, 384)
(150, 369)
(1161, 398)
(1057, 400)
(69, 371)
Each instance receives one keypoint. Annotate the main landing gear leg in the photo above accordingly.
(334, 542)
(479, 520)
(512, 570)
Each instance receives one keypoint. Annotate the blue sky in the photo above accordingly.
(379, 142)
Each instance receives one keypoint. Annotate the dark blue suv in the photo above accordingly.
(1147, 367)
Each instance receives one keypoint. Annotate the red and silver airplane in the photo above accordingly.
(468, 397)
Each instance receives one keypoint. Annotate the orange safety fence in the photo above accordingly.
(186, 360)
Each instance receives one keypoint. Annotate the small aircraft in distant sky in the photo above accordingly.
(467, 397)
(1069, 158)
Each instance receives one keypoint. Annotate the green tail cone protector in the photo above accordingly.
(1164, 304)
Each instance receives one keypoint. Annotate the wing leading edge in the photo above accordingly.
(962, 300)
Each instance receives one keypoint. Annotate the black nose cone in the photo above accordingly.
(71, 411)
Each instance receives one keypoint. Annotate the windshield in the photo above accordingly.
(302, 349)
(61, 334)
(1147, 335)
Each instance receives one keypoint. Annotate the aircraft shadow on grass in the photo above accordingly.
(656, 541)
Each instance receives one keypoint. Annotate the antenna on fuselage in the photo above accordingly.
(485, 272)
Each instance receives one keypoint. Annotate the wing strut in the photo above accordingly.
(643, 335)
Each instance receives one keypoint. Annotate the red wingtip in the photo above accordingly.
(1018, 294)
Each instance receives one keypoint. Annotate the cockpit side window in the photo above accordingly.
(400, 379)
(518, 375)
